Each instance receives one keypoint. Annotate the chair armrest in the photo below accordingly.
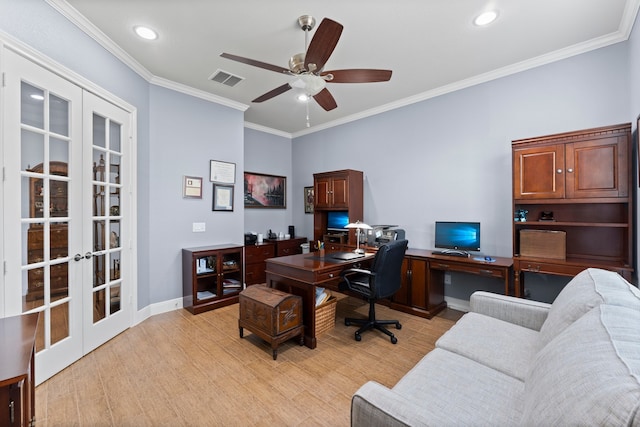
(375, 405)
(354, 271)
(519, 311)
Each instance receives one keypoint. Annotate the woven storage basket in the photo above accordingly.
(326, 315)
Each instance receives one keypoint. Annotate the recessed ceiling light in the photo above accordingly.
(486, 18)
(145, 32)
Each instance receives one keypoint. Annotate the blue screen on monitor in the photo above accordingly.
(458, 235)
(337, 220)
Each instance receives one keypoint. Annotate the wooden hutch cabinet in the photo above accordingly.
(576, 183)
(337, 191)
(58, 232)
(212, 276)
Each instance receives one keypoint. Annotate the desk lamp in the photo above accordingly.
(358, 226)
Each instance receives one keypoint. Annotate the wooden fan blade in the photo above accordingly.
(325, 99)
(272, 93)
(322, 44)
(255, 63)
(358, 76)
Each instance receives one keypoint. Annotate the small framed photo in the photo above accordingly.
(192, 187)
(223, 198)
(308, 199)
(223, 172)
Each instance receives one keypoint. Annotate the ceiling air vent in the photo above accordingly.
(225, 78)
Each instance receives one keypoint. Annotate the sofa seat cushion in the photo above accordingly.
(589, 374)
(495, 343)
(586, 290)
(454, 390)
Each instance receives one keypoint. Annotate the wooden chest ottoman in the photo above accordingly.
(273, 315)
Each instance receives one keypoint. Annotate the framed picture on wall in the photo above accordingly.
(222, 172)
(265, 191)
(192, 187)
(223, 198)
(308, 199)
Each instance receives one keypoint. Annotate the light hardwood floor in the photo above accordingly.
(177, 369)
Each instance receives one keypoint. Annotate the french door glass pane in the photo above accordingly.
(59, 322)
(31, 149)
(58, 115)
(59, 153)
(32, 106)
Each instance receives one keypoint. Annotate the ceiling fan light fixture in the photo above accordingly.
(145, 32)
(303, 97)
(485, 18)
(296, 63)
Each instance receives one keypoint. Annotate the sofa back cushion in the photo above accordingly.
(589, 374)
(586, 290)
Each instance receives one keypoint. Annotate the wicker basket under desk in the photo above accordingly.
(326, 315)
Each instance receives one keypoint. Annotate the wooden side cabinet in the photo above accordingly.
(576, 183)
(212, 276)
(17, 370)
(419, 295)
(254, 262)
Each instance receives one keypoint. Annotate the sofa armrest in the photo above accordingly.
(376, 405)
(519, 311)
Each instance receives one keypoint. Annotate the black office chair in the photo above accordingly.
(382, 281)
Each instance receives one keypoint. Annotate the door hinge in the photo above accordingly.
(4, 267)
(3, 81)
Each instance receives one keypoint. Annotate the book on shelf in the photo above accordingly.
(231, 283)
(205, 294)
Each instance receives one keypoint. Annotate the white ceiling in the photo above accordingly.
(432, 46)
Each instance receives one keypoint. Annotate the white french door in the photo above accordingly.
(66, 157)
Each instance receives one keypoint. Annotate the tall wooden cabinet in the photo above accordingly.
(580, 184)
(212, 276)
(337, 191)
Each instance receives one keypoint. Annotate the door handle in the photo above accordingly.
(78, 257)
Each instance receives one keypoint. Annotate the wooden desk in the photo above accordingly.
(500, 268)
(300, 274)
(17, 370)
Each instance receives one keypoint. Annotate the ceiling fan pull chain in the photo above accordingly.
(308, 124)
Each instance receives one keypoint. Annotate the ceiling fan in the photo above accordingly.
(308, 67)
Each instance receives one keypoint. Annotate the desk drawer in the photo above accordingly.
(480, 269)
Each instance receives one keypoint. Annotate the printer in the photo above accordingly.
(380, 234)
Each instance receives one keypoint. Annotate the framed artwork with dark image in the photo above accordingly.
(308, 199)
(223, 198)
(265, 191)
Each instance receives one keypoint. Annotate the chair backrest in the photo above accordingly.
(387, 266)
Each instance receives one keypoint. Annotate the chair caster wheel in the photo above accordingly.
(394, 340)
(347, 323)
(398, 326)
(358, 337)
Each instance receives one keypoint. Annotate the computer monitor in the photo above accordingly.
(464, 236)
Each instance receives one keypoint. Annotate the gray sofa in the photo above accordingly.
(512, 361)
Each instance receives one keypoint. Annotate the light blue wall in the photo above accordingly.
(186, 134)
(271, 155)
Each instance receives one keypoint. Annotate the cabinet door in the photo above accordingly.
(402, 296)
(323, 193)
(340, 192)
(419, 285)
(597, 168)
(538, 172)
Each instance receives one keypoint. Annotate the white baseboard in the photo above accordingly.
(158, 308)
(458, 304)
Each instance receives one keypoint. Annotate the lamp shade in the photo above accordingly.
(358, 224)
